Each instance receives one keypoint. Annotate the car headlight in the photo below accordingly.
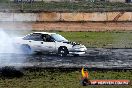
(78, 46)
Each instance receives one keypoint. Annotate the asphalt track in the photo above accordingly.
(94, 58)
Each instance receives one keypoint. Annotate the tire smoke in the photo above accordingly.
(9, 52)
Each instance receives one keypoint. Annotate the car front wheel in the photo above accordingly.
(62, 51)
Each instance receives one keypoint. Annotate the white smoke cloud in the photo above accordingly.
(9, 53)
(6, 42)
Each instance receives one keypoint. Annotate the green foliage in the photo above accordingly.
(69, 6)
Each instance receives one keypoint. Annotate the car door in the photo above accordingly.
(48, 43)
(34, 41)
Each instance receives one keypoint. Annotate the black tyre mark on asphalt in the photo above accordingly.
(99, 57)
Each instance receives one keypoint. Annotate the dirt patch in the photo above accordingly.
(83, 26)
(69, 26)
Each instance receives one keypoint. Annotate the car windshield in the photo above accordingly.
(58, 37)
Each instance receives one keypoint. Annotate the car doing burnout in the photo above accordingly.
(49, 43)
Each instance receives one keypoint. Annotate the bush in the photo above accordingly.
(10, 72)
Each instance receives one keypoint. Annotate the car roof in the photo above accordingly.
(44, 33)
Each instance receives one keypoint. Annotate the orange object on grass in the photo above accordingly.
(84, 73)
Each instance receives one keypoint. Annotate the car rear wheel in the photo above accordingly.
(62, 51)
(26, 49)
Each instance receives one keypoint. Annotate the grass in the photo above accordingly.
(101, 39)
(81, 6)
(55, 78)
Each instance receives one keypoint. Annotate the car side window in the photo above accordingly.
(28, 37)
(34, 36)
(37, 37)
(47, 38)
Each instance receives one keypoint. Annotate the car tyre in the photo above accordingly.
(26, 49)
(62, 51)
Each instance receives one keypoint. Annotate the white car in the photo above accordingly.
(50, 43)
